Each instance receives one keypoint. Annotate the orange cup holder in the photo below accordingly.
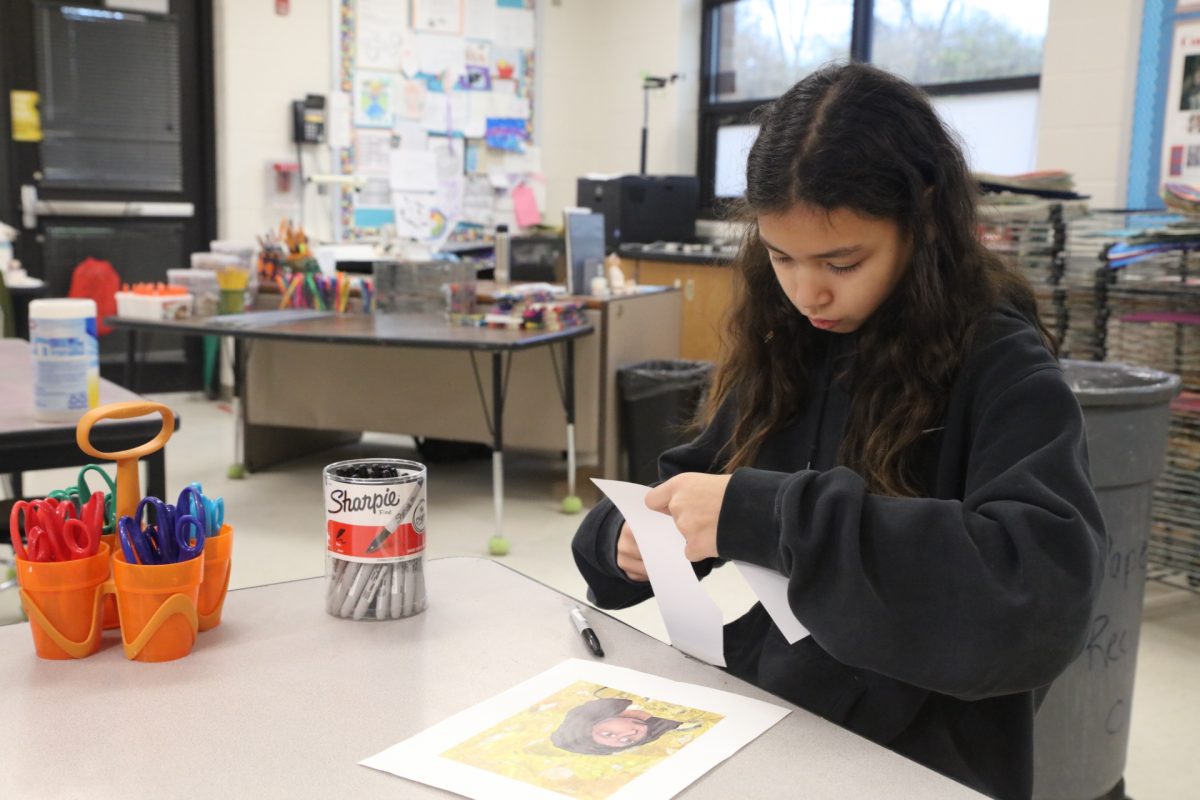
(157, 605)
(63, 600)
(110, 620)
(217, 551)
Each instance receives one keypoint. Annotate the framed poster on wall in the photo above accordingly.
(1181, 118)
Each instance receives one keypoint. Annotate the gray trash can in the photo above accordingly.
(1081, 732)
(658, 401)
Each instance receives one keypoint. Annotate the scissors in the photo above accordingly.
(212, 512)
(80, 490)
(52, 532)
(164, 542)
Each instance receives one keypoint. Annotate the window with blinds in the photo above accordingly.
(110, 99)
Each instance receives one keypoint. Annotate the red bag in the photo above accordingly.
(99, 281)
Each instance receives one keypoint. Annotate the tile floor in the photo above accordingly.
(278, 521)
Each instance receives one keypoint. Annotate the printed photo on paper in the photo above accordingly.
(585, 731)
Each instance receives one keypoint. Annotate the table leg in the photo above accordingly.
(237, 469)
(156, 474)
(131, 343)
(498, 544)
(571, 504)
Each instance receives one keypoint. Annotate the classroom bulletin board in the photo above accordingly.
(432, 110)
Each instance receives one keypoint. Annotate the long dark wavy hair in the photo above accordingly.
(855, 137)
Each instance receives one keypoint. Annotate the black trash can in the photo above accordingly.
(659, 399)
(1081, 732)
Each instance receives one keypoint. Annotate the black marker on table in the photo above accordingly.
(585, 630)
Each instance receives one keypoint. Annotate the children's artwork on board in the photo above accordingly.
(505, 133)
(373, 152)
(515, 26)
(507, 63)
(374, 99)
(379, 34)
(583, 730)
(416, 214)
(475, 79)
(437, 16)
(412, 99)
(477, 53)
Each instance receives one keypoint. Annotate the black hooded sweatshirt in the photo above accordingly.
(937, 621)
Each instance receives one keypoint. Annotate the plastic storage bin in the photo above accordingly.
(1081, 732)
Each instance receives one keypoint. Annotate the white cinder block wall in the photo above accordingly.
(1089, 74)
(262, 62)
(590, 67)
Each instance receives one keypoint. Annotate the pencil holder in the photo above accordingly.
(375, 538)
(157, 604)
(217, 551)
(62, 600)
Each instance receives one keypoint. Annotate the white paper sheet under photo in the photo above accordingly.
(692, 619)
(509, 730)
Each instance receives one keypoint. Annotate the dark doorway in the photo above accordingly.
(123, 170)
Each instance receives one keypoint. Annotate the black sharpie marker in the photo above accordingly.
(585, 630)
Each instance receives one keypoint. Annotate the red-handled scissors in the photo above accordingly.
(52, 532)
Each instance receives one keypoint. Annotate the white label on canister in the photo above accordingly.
(66, 364)
(372, 521)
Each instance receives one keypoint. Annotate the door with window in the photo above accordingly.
(118, 166)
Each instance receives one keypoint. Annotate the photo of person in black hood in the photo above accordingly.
(608, 725)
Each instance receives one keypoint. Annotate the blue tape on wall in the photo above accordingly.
(1150, 97)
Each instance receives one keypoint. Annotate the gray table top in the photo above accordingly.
(394, 330)
(283, 700)
(18, 428)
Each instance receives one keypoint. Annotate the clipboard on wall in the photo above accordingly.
(584, 233)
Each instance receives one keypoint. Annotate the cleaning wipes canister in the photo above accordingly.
(66, 358)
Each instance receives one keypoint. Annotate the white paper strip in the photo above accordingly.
(692, 619)
(771, 589)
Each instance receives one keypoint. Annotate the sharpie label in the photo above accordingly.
(372, 521)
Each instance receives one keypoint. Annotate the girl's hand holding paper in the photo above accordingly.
(693, 500)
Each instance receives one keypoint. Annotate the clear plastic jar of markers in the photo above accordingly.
(375, 538)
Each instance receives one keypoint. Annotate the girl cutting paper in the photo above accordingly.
(890, 429)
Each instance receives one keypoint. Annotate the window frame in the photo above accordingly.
(715, 114)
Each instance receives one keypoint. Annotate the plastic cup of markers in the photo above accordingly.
(157, 603)
(217, 551)
(375, 538)
(63, 600)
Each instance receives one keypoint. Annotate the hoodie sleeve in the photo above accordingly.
(985, 596)
(595, 544)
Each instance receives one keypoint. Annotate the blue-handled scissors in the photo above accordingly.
(213, 511)
(166, 541)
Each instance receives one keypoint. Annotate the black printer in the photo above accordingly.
(642, 208)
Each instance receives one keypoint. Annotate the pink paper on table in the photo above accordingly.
(526, 207)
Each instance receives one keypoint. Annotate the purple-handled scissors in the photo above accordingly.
(167, 541)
